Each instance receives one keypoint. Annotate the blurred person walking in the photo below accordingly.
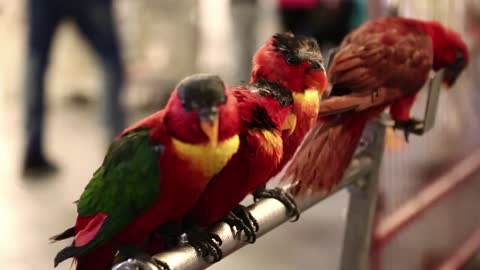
(94, 19)
(244, 22)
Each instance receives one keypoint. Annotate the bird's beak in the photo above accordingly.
(290, 124)
(450, 77)
(209, 124)
(453, 71)
(316, 77)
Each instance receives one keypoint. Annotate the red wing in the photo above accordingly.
(87, 228)
(382, 53)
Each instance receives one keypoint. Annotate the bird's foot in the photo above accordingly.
(206, 244)
(244, 214)
(161, 264)
(411, 125)
(284, 197)
(242, 220)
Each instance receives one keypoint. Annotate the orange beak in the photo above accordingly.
(290, 124)
(210, 128)
(316, 79)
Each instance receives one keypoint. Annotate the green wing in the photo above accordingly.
(124, 186)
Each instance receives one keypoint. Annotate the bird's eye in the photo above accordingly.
(188, 105)
(292, 60)
(223, 100)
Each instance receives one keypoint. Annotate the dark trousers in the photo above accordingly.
(94, 18)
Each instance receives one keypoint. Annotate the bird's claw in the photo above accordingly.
(284, 197)
(243, 223)
(206, 244)
(161, 264)
(411, 125)
(243, 213)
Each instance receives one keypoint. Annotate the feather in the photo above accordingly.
(89, 232)
(64, 254)
(382, 53)
(326, 152)
(70, 232)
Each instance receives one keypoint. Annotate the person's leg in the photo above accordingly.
(96, 22)
(43, 19)
(244, 16)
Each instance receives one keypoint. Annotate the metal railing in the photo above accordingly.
(392, 224)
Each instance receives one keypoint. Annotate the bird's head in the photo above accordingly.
(275, 106)
(202, 110)
(449, 51)
(294, 61)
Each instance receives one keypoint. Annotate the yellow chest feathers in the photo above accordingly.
(270, 143)
(206, 158)
(306, 105)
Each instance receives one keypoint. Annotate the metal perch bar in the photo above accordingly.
(361, 101)
(269, 213)
(362, 205)
(391, 225)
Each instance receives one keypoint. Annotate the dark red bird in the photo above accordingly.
(383, 62)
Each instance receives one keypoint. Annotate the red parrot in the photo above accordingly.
(384, 62)
(154, 172)
(265, 110)
(297, 63)
(282, 69)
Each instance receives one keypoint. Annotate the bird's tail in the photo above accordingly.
(70, 232)
(101, 258)
(325, 153)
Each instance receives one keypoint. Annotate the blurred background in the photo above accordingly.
(111, 62)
